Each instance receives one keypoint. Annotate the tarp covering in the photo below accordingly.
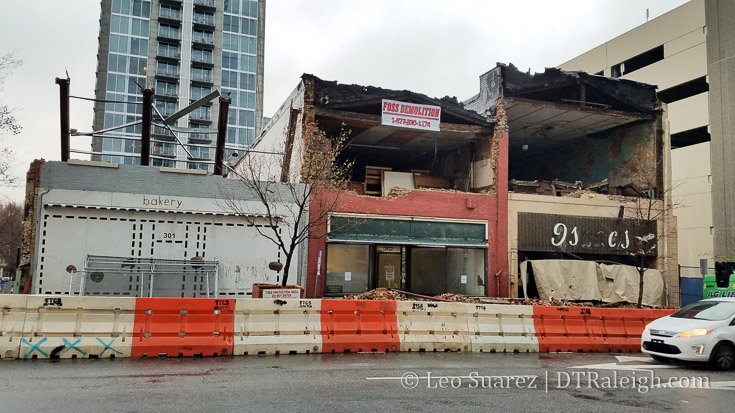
(590, 281)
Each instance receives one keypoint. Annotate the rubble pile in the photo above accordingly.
(552, 302)
(391, 295)
(458, 298)
(378, 294)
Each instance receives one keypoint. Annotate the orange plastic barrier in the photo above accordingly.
(183, 327)
(572, 329)
(623, 327)
(355, 326)
(584, 329)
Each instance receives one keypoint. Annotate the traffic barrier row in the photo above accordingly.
(502, 329)
(357, 325)
(589, 329)
(107, 327)
(277, 327)
(183, 327)
(76, 327)
(12, 319)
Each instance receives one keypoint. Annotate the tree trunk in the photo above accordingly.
(286, 266)
(641, 271)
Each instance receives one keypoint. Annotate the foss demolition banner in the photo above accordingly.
(410, 115)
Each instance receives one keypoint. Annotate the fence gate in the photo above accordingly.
(148, 277)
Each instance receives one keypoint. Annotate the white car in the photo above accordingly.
(703, 331)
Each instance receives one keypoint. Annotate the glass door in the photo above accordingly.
(389, 267)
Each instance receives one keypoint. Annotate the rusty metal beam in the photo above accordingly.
(219, 155)
(64, 116)
(145, 137)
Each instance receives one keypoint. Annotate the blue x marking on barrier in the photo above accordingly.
(108, 346)
(34, 347)
(73, 346)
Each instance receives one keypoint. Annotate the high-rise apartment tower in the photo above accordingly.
(183, 49)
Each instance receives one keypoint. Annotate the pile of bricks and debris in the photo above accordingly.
(378, 294)
(398, 295)
(575, 189)
(552, 302)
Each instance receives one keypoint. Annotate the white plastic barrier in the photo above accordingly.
(274, 326)
(77, 327)
(502, 328)
(12, 318)
(432, 326)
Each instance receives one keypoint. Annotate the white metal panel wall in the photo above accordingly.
(70, 231)
(243, 255)
(65, 237)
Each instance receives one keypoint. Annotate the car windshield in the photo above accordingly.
(707, 310)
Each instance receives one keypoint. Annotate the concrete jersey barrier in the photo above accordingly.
(105, 327)
(77, 327)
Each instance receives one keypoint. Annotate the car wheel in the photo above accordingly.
(723, 357)
(660, 358)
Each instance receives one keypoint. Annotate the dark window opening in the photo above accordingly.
(638, 62)
(684, 90)
(690, 137)
(617, 70)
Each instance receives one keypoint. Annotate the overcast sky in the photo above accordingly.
(435, 47)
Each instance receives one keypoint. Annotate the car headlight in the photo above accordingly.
(645, 329)
(697, 332)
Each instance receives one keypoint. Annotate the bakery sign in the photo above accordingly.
(411, 115)
(587, 235)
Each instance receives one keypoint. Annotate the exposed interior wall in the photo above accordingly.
(455, 166)
(275, 139)
(591, 159)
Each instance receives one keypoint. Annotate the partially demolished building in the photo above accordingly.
(425, 211)
(557, 165)
(589, 169)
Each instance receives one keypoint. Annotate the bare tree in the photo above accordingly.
(296, 206)
(11, 233)
(8, 122)
(651, 205)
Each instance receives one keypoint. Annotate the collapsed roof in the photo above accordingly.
(367, 100)
(360, 109)
(555, 107)
(555, 85)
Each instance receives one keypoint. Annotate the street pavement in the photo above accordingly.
(377, 382)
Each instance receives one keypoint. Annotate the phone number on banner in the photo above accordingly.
(410, 122)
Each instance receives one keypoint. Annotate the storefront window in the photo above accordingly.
(427, 271)
(448, 270)
(466, 271)
(348, 269)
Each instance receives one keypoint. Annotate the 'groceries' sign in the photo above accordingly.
(411, 115)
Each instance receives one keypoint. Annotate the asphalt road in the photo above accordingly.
(420, 382)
